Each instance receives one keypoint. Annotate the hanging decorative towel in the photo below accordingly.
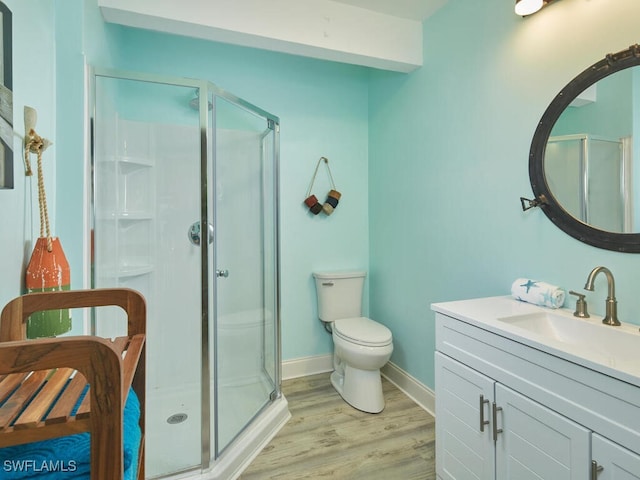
(333, 196)
(48, 269)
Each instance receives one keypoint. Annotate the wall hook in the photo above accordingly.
(536, 202)
(33, 143)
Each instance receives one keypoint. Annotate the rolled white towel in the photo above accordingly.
(538, 293)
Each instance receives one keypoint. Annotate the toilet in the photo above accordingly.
(361, 345)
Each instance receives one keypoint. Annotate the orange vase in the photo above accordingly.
(48, 271)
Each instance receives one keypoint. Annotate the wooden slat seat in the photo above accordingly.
(21, 397)
(61, 411)
(10, 383)
(44, 400)
(42, 381)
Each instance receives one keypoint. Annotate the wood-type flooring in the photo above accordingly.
(327, 438)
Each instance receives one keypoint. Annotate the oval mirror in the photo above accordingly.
(584, 162)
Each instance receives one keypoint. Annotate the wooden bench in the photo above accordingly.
(41, 380)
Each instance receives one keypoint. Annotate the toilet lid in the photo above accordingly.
(363, 331)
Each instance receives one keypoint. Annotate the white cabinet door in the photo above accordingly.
(617, 462)
(464, 444)
(537, 443)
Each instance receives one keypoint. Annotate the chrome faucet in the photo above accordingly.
(611, 317)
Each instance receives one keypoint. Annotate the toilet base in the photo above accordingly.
(362, 389)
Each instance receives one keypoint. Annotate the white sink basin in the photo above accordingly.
(615, 346)
(614, 351)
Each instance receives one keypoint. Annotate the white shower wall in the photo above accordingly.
(148, 193)
(148, 185)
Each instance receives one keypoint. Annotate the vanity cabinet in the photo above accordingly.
(509, 410)
(487, 431)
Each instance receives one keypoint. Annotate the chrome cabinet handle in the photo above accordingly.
(496, 430)
(595, 469)
(483, 422)
(222, 273)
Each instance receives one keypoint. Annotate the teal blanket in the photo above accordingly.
(68, 457)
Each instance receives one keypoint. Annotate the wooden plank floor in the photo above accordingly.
(327, 438)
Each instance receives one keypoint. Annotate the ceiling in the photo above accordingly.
(411, 9)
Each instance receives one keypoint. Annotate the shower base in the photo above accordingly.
(173, 448)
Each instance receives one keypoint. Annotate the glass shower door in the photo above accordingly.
(185, 211)
(245, 266)
(606, 207)
(147, 191)
(586, 175)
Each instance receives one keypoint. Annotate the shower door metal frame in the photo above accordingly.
(207, 143)
(272, 124)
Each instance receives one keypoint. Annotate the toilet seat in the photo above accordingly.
(362, 331)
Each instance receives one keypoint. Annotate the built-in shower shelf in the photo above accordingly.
(127, 271)
(127, 216)
(128, 161)
(134, 216)
(135, 271)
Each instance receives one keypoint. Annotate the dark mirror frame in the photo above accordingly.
(621, 242)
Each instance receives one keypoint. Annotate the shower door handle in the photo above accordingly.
(194, 233)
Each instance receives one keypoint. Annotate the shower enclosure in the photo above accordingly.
(591, 178)
(184, 210)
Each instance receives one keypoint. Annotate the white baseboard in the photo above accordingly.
(414, 389)
(301, 367)
(418, 392)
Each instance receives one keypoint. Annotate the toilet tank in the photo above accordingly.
(339, 294)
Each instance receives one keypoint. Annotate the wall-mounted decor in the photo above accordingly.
(6, 99)
(582, 158)
(333, 196)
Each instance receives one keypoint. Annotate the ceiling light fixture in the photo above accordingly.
(528, 7)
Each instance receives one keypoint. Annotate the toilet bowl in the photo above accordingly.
(358, 357)
(361, 346)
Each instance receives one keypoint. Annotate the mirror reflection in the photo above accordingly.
(591, 159)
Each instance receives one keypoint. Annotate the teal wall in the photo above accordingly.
(70, 143)
(34, 85)
(51, 40)
(448, 161)
(81, 39)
